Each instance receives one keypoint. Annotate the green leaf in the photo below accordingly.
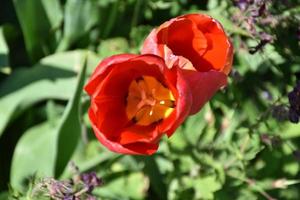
(45, 150)
(54, 12)
(156, 177)
(113, 46)
(70, 127)
(206, 186)
(38, 19)
(80, 17)
(133, 187)
(3, 51)
(34, 155)
(52, 78)
(195, 125)
(4, 196)
(14, 103)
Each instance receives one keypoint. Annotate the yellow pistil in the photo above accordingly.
(148, 101)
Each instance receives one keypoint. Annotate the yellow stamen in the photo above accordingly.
(148, 101)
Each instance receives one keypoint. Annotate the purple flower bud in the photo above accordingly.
(242, 4)
(262, 9)
(298, 33)
(294, 100)
(91, 180)
(266, 37)
(69, 197)
(293, 116)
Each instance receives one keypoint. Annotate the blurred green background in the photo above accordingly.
(240, 146)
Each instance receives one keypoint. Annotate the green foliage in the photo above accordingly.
(232, 149)
(3, 52)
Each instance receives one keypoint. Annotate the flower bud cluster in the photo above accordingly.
(294, 100)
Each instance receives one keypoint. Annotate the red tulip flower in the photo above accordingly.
(199, 45)
(135, 100)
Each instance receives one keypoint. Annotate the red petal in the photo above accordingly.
(206, 46)
(203, 86)
(150, 45)
(136, 133)
(183, 38)
(102, 69)
(183, 103)
(219, 52)
(135, 148)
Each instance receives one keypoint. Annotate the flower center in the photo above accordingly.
(148, 101)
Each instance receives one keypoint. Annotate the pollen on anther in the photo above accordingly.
(148, 101)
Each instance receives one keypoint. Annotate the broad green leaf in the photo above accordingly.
(14, 103)
(34, 155)
(38, 20)
(45, 150)
(80, 17)
(3, 51)
(193, 127)
(155, 176)
(52, 78)
(54, 12)
(290, 131)
(70, 128)
(206, 186)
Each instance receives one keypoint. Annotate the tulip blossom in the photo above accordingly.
(202, 50)
(135, 100)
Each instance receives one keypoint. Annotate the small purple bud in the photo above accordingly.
(266, 37)
(242, 4)
(69, 197)
(262, 9)
(298, 33)
(294, 100)
(91, 180)
(293, 116)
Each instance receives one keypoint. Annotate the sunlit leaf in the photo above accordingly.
(38, 20)
(34, 155)
(3, 51)
(70, 128)
(52, 78)
(80, 17)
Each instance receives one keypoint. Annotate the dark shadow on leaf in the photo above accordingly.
(23, 77)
